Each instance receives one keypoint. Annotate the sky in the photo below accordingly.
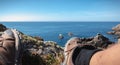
(59, 10)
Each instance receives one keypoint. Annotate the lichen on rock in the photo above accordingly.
(46, 52)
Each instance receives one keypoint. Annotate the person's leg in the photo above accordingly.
(88, 55)
(10, 47)
(110, 56)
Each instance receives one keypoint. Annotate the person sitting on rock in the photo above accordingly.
(86, 54)
(75, 53)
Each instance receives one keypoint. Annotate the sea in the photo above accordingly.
(50, 31)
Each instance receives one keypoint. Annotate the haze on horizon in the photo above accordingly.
(59, 10)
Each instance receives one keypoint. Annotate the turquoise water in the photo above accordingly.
(51, 30)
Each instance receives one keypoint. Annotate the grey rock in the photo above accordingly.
(116, 31)
(2, 28)
(99, 41)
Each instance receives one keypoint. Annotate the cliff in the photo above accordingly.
(39, 52)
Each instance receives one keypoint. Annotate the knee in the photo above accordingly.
(96, 59)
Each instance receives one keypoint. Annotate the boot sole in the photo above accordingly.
(18, 46)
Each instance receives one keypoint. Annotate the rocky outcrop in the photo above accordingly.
(98, 41)
(39, 52)
(2, 27)
(116, 28)
(116, 31)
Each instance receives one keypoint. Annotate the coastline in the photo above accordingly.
(40, 52)
(51, 30)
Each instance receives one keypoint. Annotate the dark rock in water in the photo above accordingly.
(2, 28)
(111, 32)
(60, 36)
(116, 31)
(70, 34)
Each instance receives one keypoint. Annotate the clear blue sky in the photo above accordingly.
(59, 10)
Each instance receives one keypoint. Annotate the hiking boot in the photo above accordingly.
(69, 48)
(10, 47)
(75, 51)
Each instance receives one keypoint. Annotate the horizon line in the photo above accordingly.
(59, 21)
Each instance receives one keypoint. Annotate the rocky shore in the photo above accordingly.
(36, 51)
(115, 31)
